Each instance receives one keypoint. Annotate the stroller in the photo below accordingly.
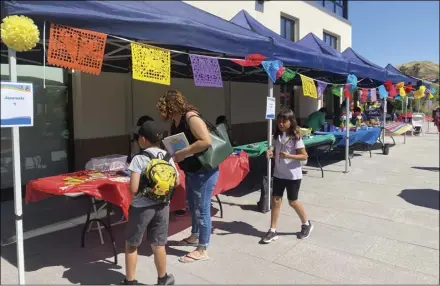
(418, 119)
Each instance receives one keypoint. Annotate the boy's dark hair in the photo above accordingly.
(288, 114)
(143, 119)
(152, 131)
(221, 119)
(323, 110)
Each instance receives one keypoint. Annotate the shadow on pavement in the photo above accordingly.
(428, 198)
(92, 264)
(433, 169)
(240, 227)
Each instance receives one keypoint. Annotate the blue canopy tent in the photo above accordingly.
(397, 76)
(363, 68)
(170, 22)
(330, 57)
(290, 53)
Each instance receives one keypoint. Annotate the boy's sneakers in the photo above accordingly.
(270, 236)
(168, 279)
(126, 282)
(305, 230)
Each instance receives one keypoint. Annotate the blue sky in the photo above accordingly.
(395, 32)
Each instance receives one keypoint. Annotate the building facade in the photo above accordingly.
(293, 20)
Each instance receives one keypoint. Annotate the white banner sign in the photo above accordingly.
(17, 100)
(270, 108)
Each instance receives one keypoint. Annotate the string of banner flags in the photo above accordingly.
(83, 50)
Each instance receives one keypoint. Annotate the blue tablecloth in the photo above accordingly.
(367, 136)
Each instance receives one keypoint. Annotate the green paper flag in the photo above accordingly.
(288, 75)
(336, 90)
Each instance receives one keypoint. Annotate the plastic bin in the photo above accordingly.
(107, 163)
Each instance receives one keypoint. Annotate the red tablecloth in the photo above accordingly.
(115, 189)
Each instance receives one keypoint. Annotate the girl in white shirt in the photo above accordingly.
(289, 151)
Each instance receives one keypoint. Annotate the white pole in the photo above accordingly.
(347, 133)
(269, 143)
(17, 179)
(384, 119)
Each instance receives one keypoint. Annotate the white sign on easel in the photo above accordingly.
(270, 108)
(17, 101)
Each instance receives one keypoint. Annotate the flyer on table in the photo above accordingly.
(17, 104)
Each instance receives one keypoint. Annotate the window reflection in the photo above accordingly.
(43, 147)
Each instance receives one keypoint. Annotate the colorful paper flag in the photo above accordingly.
(321, 88)
(151, 64)
(271, 68)
(373, 96)
(308, 85)
(252, 60)
(382, 92)
(347, 92)
(402, 92)
(76, 49)
(288, 75)
(399, 85)
(280, 72)
(364, 95)
(352, 82)
(408, 89)
(336, 91)
(206, 71)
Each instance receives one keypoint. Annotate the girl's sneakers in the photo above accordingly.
(305, 230)
(269, 237)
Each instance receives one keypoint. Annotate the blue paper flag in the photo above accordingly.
(271, 68)
(432, 90)
(352, 81)
(383, 93)
(397, 97)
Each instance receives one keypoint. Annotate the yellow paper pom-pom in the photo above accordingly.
(19, 33)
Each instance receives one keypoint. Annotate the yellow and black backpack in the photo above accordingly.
(158, 181)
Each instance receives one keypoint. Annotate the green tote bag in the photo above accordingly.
(220, 149)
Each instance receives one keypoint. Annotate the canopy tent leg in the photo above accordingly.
(17, 178)
(347, 133)
(269, 144)
(384, 119)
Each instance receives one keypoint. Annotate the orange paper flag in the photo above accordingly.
(77, 49)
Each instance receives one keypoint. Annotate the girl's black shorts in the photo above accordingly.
(291, 186)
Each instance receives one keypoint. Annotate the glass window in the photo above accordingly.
(287, 30)
(335, 6)
(259, 6)
(331, 40)
(43, 147)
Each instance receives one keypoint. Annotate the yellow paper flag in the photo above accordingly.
(400, 85)
(402, 92)
(309, 88)
(431, 96)
(151, 64)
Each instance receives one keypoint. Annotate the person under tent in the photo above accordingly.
(316, 120)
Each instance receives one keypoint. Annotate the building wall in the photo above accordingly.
(107, 106)
(311, 19)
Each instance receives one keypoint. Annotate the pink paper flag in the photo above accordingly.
(206, 71)
(373, 96)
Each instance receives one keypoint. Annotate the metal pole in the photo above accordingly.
(17, 179)
(384, 119)
(347, 133)
(406, 121)
(269, 143)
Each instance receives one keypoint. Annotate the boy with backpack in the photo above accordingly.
(153, 180)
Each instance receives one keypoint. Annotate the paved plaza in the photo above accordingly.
(377, 224)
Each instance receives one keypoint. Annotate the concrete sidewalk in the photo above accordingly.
(377, 224)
